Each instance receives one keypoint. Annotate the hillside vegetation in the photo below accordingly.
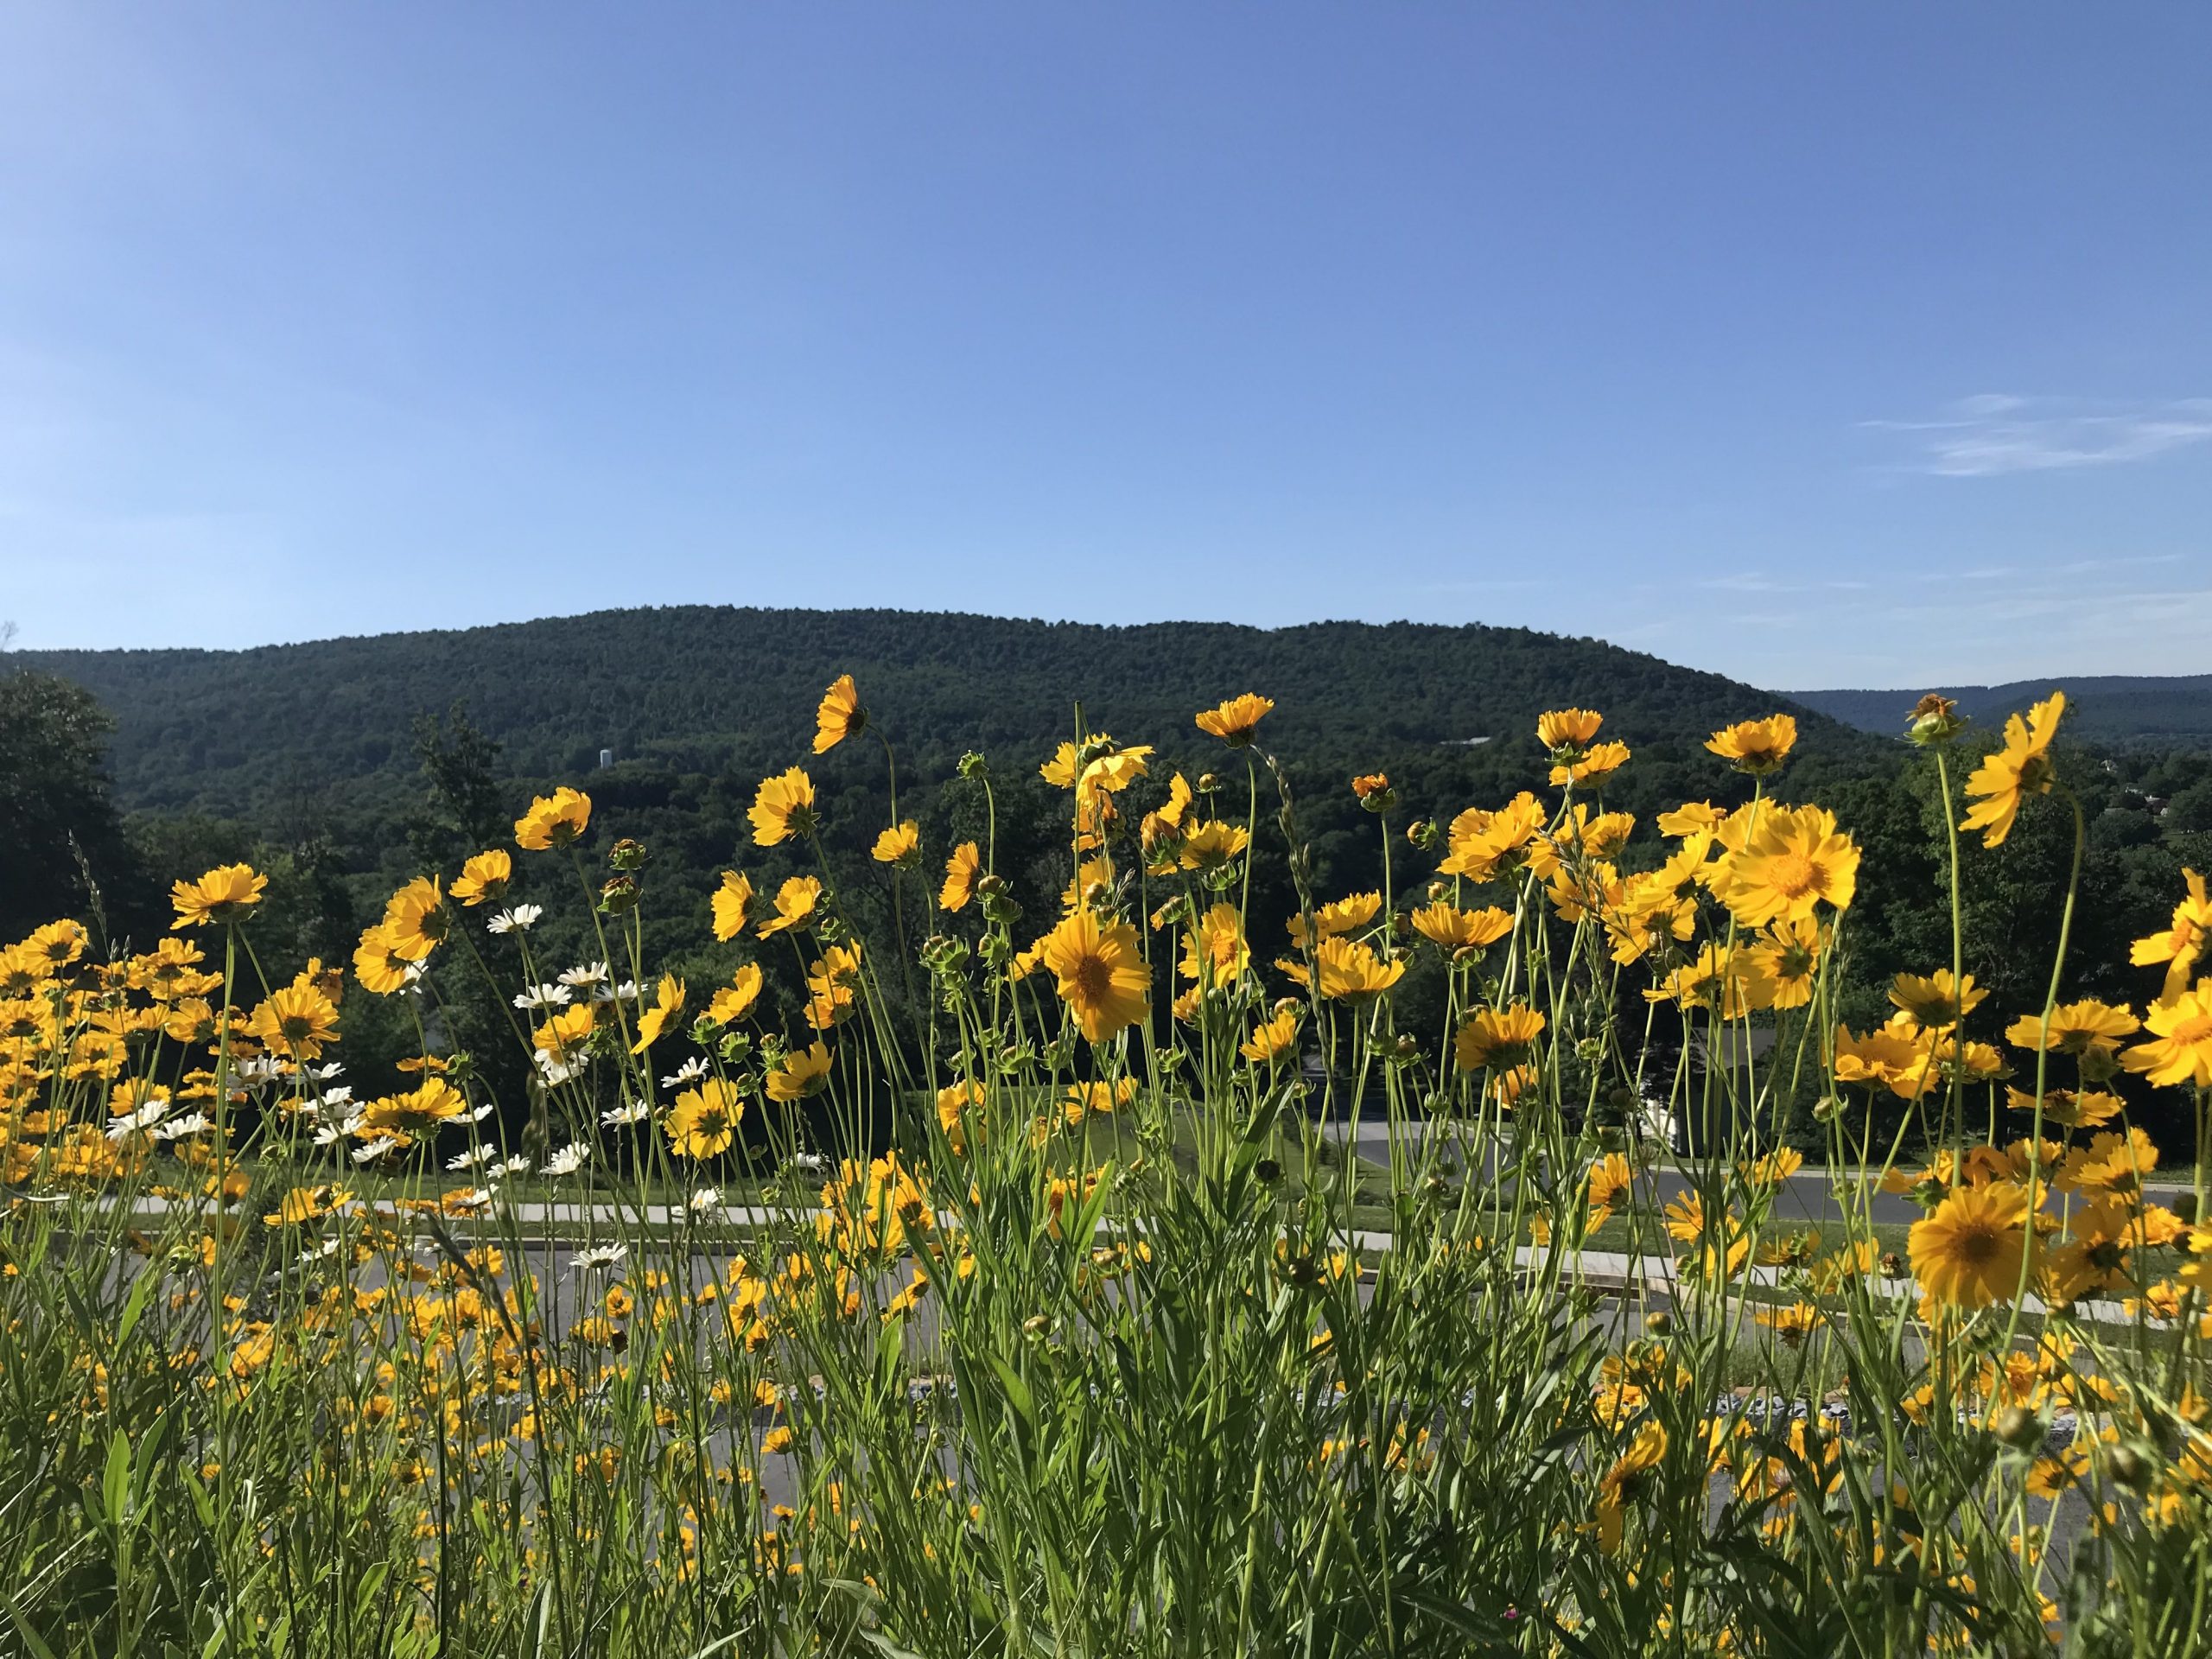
(698, 688)
(2111, 707)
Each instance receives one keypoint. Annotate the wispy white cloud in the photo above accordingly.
(1991, 434)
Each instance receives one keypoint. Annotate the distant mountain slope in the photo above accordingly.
(2110, 707)
(699, 688)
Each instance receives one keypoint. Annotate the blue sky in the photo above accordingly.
(1850, 345)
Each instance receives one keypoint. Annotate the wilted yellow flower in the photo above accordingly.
(1756, 748)
(223, 894)
(2021, 768)
(1235, 722)
(840, 716)
(555, 820)
(782, 807)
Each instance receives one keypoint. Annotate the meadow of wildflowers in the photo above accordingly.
(1024, 1295)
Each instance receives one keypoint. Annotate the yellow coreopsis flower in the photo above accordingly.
(1568, 728)
(1791, 861)
(1968, 1253)
(1210, 845)
(223, 894)
(1483, 845)
(1619, 1486)
(562, 1036)
(1933, 1001)
(1350, 972)
(2075, 1028)
(796, 901)
(1235, 721)
(2181, 944)
(953, 1104)
(297, 1020)
(782, 807)
(731, 901)
(1272, 1039)
(483, 880)
(1497, 1040)
(2021, 768)
(1756, 748)
(378, 964)
(840, 716)
(732, 1001)
(901, 844)
(416, 919)
(961, 871)
(802, 1072)
(555, 820)
(2180, 1049)
(413, 1112)
(1446, 924)
(1214, 951)
(704, 1121)
(1101, 973)
(668, 1003)
(1345, 915)
(1594, 767)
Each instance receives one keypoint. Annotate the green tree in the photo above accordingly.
(65, 852)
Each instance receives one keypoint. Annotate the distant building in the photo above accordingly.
(605, 758)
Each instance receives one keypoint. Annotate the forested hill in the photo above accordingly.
(706, 688)
(2111, 707)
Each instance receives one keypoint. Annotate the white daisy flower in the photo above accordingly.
(516, 918)
(144, 1118)
(606, 1255)
(590, 974)
(634, 1111)
(694, 1067)
(375, 1149)
(470, 1159)
(570, 1159)
(517, 1165)
(810, 1161)
(705, 1198)
(324, 1073)
(177, 1128)
(545, 996)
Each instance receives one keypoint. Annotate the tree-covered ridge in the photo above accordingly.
(2172, 708)
(702, 688)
